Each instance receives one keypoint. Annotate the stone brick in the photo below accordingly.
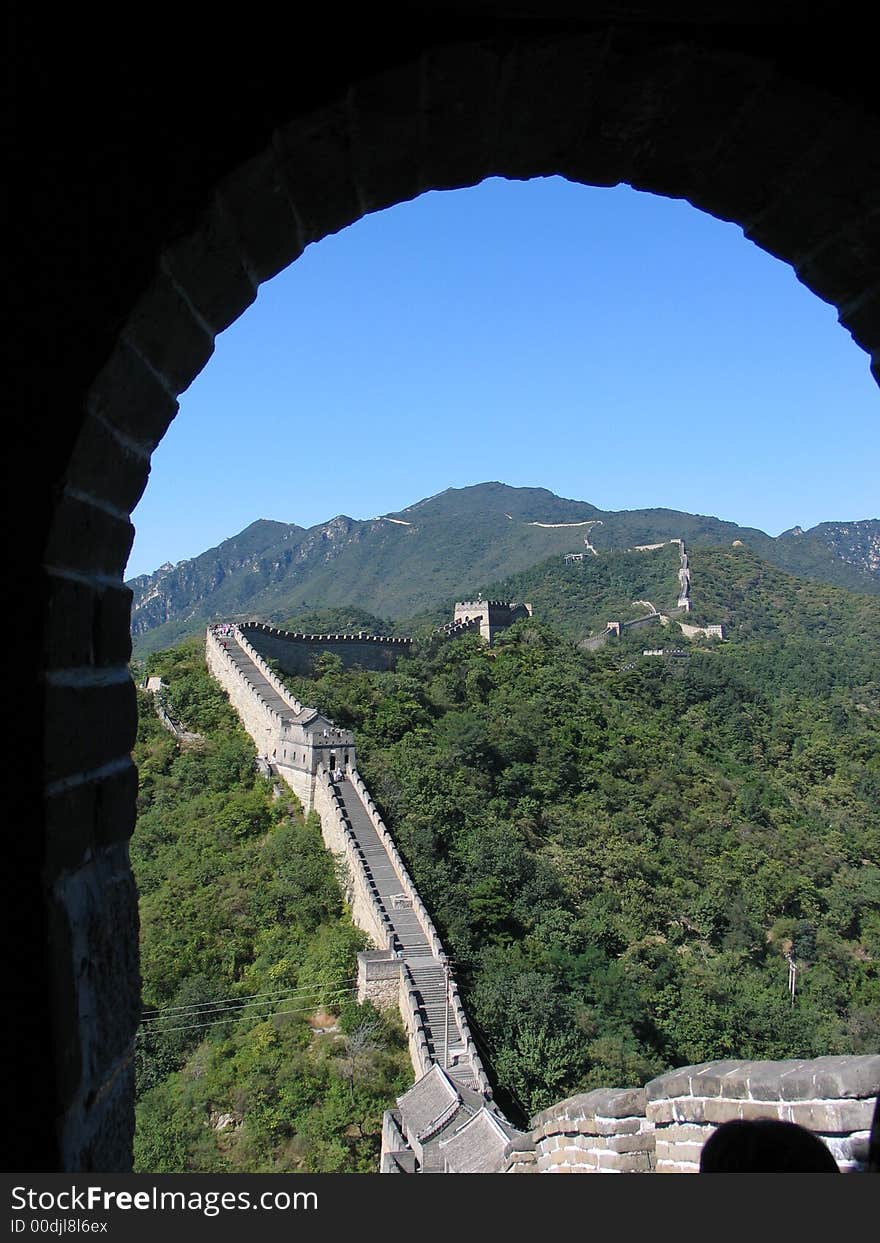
(630, 1143)
(764, 1079)
(87, 624)
(680, 1133)
(209, 268)
(460, 114)
(386, 126)
(87, 727)
(847, 1076)
(678, 1153)
(625, 1162)
(88, 539)
(778, 126)
(724, 1078)
(96, 981)
(863, 322)
(104, 467)
(540, 131)
(660, 1112)
(836, 269)
(166, 331)
(718, 1110)
(315, 160)
(829, 1116)
(673, 107)
(85, 817)
(618, 1126)
(256, 202)
(675, 1083)
(838, 177)
(104, 1142)
(132, 398)
(797, 1080)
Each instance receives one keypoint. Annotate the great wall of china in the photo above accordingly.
(448, 1122)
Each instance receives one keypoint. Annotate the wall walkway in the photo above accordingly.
(409, 966)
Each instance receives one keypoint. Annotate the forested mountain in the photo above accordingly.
(253, 1055)
(623, 852)
(425, 556)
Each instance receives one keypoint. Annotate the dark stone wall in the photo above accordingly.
(297, 653)
(126, 263)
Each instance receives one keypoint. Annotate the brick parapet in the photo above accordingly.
(663, 1126)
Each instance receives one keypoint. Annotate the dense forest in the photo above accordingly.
(624, 853)
(253, 1054)
(627, 856)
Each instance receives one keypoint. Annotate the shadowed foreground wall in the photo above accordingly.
(159, 179)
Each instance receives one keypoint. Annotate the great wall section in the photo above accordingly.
(448, 1122)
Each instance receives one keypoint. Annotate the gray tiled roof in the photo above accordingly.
(478, 1146)
(431, 1099)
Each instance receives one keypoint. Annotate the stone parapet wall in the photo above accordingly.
(406, 885)
(408, 888)
(296, 652)
(662, 1127)
(263, 725)
(830, 1096)
(601, 1132)
(392, 1141)
(367, 908)
(269, 674)
(411, 1014)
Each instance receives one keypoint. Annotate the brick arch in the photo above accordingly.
(795, 167)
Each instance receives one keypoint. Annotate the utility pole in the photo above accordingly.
(792, 975)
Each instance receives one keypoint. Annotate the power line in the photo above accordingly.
(165, 1031)
(244, 997)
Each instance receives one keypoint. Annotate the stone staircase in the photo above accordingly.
(444, 1038)
(429, 976)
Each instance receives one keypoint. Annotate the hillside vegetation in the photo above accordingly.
(426, 556)
(247, 954)
(622, 852)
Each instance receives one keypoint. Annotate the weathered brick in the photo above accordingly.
(256, 202)
(847, 1076)
(829, 1116)
(724, 1078)
(386, 129)
(540, 129)
(460, 114)
(88, 539)
(630, 1143)
(207, 264)
(132, 398)
(718, 1111)
(85, 817)
(87, 727)
(682, 1133)
(169, 335)
(314, 158)
(96, 982)
(86, 624)
(618, 1126)
(625, 1162)
(104, 467)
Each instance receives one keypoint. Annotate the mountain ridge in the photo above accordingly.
(412, 560)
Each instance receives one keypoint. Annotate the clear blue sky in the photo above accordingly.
(611, 346)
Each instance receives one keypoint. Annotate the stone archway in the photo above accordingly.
(795, 166)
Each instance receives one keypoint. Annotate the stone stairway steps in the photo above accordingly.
(429, 977)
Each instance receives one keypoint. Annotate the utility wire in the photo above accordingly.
(158, 1012)
(154, 1020)
(216, 1022)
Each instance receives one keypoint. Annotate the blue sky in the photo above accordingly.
(612, 346)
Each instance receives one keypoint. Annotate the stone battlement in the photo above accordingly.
(296, 652)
